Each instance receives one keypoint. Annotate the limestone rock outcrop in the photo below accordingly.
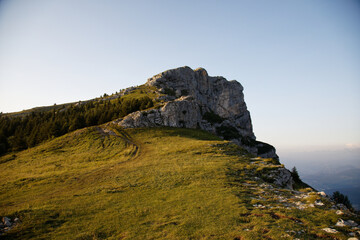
(281, 177)
(193, 99)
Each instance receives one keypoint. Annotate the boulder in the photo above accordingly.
(322, 193)
(341, 223)
(319, 203)
(6, 221)
(344, 223)
(280, 177)
(330, 230)
(351, 223)
(339, 212)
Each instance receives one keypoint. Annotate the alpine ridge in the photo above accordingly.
(193, 99)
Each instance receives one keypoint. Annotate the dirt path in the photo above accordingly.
(103, 171)
(109, 131)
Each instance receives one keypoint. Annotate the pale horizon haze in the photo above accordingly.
(298, 61)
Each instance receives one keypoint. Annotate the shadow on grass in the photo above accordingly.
(34, 223)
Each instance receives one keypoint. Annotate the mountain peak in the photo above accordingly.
(193, 99)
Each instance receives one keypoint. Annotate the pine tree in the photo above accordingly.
(295, 174)
(343, 199)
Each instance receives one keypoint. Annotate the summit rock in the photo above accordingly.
(193, 99)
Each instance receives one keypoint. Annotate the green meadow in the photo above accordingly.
(104, 182)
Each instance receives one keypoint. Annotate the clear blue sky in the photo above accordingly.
(299, 61)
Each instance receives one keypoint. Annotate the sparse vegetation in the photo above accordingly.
(298, 183)
(263, 147)
(343, 199)
(212, 117)
(228, 132)
(295, 174)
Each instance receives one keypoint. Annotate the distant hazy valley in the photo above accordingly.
(328, 170)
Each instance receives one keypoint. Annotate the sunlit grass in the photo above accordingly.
(157, 183)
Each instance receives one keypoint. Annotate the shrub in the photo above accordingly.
(228, 132)
(343, 199)
(212, 117)
(295, 174)
(298, 183)
(263, 147)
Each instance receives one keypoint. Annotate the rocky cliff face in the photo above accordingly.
(193, 99)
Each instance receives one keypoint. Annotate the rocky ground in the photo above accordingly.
(271, 191)
(7, 224)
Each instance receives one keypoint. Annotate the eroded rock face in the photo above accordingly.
(282, 178)
(193, 99)
(183, 112)
(223, 97)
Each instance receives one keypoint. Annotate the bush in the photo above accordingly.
(263, 147)
(343, 199)
(228, 132)
(295, 174)
(212, 117)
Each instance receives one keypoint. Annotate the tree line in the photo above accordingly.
(18, 133)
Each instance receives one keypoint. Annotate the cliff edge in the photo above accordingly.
(193, 99)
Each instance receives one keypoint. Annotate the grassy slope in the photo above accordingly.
(146, 184)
